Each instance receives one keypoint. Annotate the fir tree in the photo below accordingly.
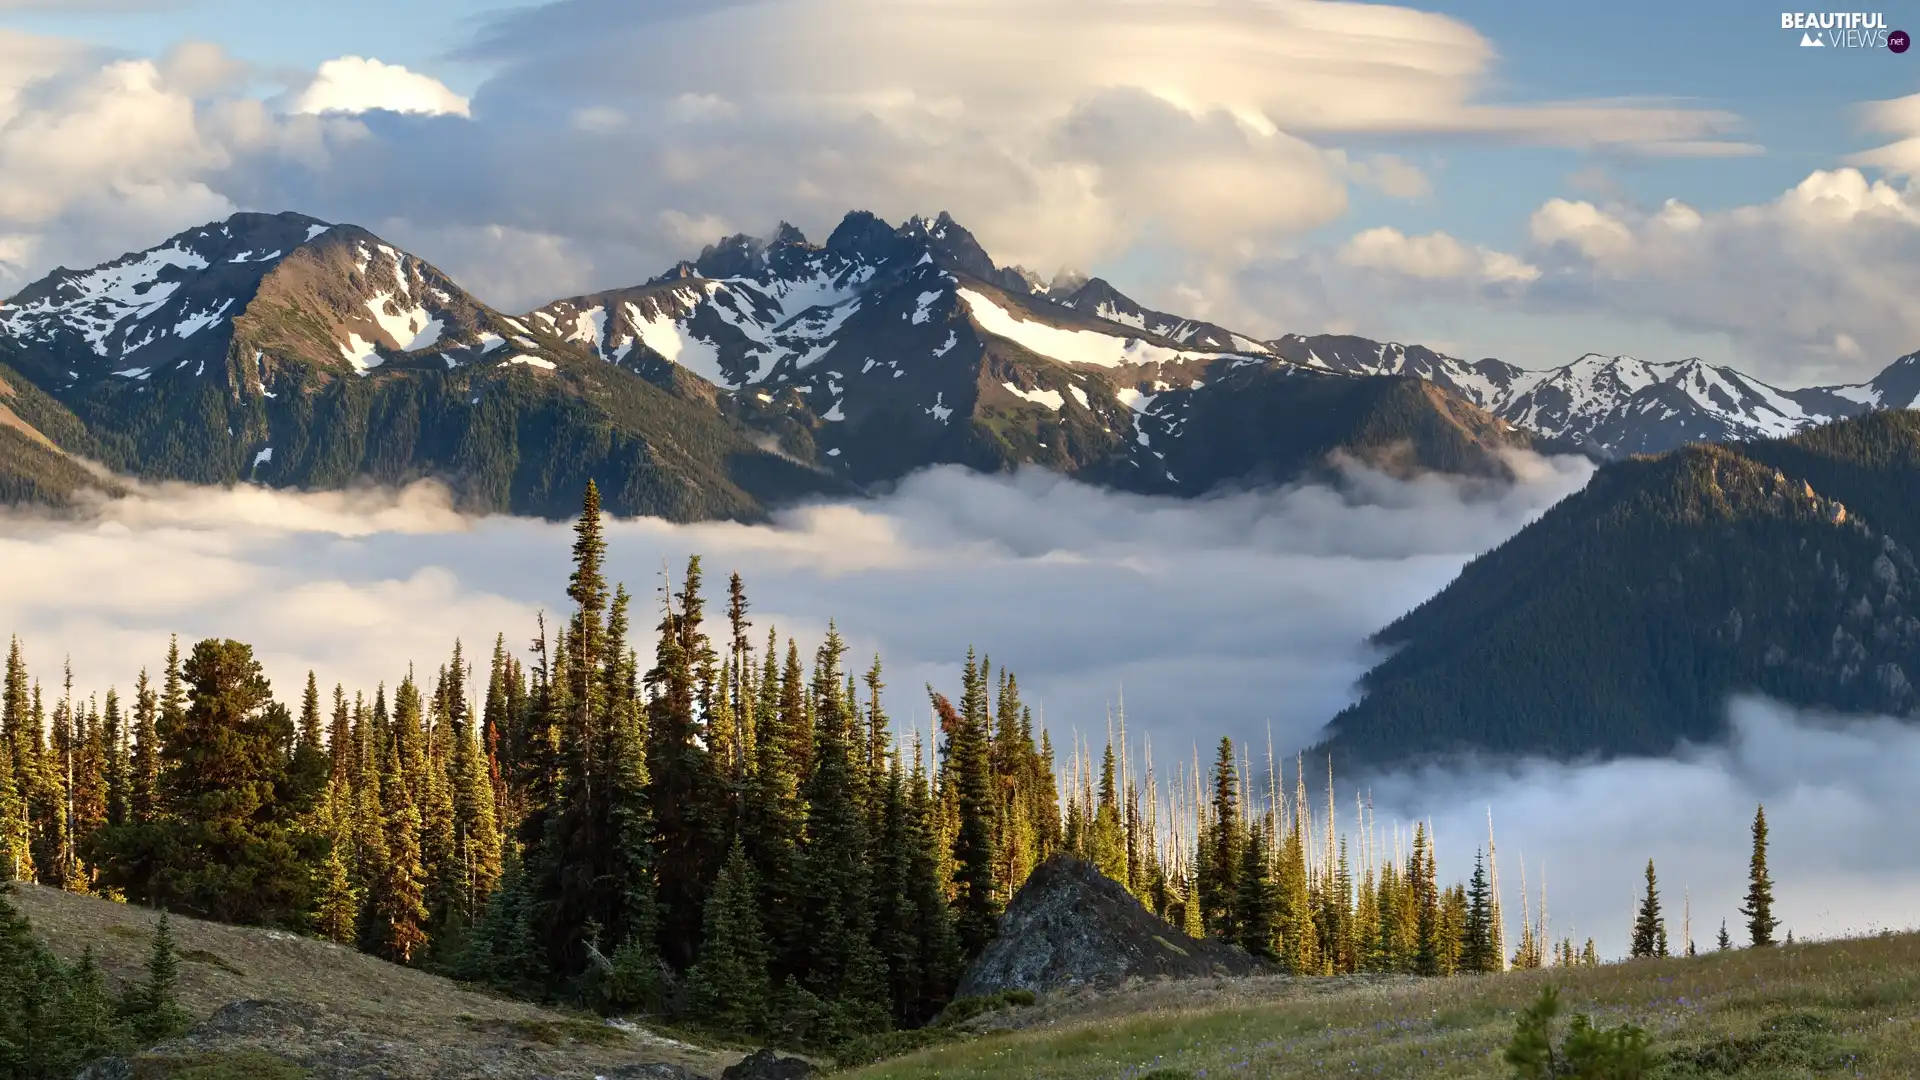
(146, 750)
(1759, 906)
(152, 1008)
(1724, 941)
(1476, 952)
(686, 820)
(1219, 859)
(729, 983)
(1254, 898)
(1648, 926)
(227, 845)
(397, 919)
(976, 900)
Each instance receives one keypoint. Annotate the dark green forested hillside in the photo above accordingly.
(1623, 620)
(1265, 425)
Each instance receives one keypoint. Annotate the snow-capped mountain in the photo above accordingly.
(855, 360)
(239, 300)
(1618, 405)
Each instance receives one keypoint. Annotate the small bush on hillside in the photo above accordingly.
(1587, 1052)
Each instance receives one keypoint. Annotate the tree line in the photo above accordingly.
(723, 832)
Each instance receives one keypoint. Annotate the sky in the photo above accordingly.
(1528, 181)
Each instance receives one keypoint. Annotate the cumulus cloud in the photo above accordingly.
(1810, 287)
(358, 84)
(1221, 615)
(1830, 786)
(1435, 256)
(1062, 131)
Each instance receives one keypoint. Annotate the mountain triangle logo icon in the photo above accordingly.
(1808, 41)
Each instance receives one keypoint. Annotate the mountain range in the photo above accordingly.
(1742, 537)
(288, 351)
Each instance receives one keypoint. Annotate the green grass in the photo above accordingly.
(1841, 1009)
(225, 1065)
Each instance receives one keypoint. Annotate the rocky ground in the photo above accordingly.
(277, 1006)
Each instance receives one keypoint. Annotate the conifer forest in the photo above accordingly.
(727, 831)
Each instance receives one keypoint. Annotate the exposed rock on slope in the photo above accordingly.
(1071, 926)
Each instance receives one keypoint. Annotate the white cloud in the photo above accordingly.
(1223, 614)
(1829, 785)
(1435, 256)
(357, 84)
(1592, 231)
(1899, 117)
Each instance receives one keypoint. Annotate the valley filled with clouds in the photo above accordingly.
(1239, 614)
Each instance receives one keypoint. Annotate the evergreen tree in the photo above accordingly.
(397, 913)
(146, 750)
(152, 1008)
(228, 844)
(976, 900)
(1107, 844)
(1254, 898)
(1219, 859)
(729, 983)
(688, 829)
(1648, 926)
(1477, 949)
(1759, 906)
(1299, 938)
(1724, 941)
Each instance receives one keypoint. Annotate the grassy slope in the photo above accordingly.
(433, 1016)
(1747, 1013)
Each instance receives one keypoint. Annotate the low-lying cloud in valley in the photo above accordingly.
(1835, 791)
(1214, 616)
(1224, 614)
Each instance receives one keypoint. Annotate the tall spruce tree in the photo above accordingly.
(1254, 900)
(1648, 926)
(1477, 948)
(1759, 906)
(1220, 838)
(729, 983)
(976, 900)
(688, 826)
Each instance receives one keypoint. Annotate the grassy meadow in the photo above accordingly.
(1848, 1008)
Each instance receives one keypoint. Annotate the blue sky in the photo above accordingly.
(1239, 253)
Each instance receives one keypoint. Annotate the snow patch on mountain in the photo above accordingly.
(1052, 399)
(1068, 346)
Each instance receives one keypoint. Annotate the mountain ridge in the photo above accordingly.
(290, 351)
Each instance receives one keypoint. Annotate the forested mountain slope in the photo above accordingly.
(1623, 620)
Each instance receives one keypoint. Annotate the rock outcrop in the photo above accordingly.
(1071, 925)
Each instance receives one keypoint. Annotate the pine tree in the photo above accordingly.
(687, 829)
(1648, 926)
(976, 900)
(475, 829)
(773, 816)
(1724, 942)
(1759, 906)
(152, 1008)
(1108, 843)
(397, 919)
(146, 750)
(226, 846)
(1254, 899)
(336, 903)
(1219, 857)
(119, 768)
(729, 982)
(1476, 954)
(1299, 937)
